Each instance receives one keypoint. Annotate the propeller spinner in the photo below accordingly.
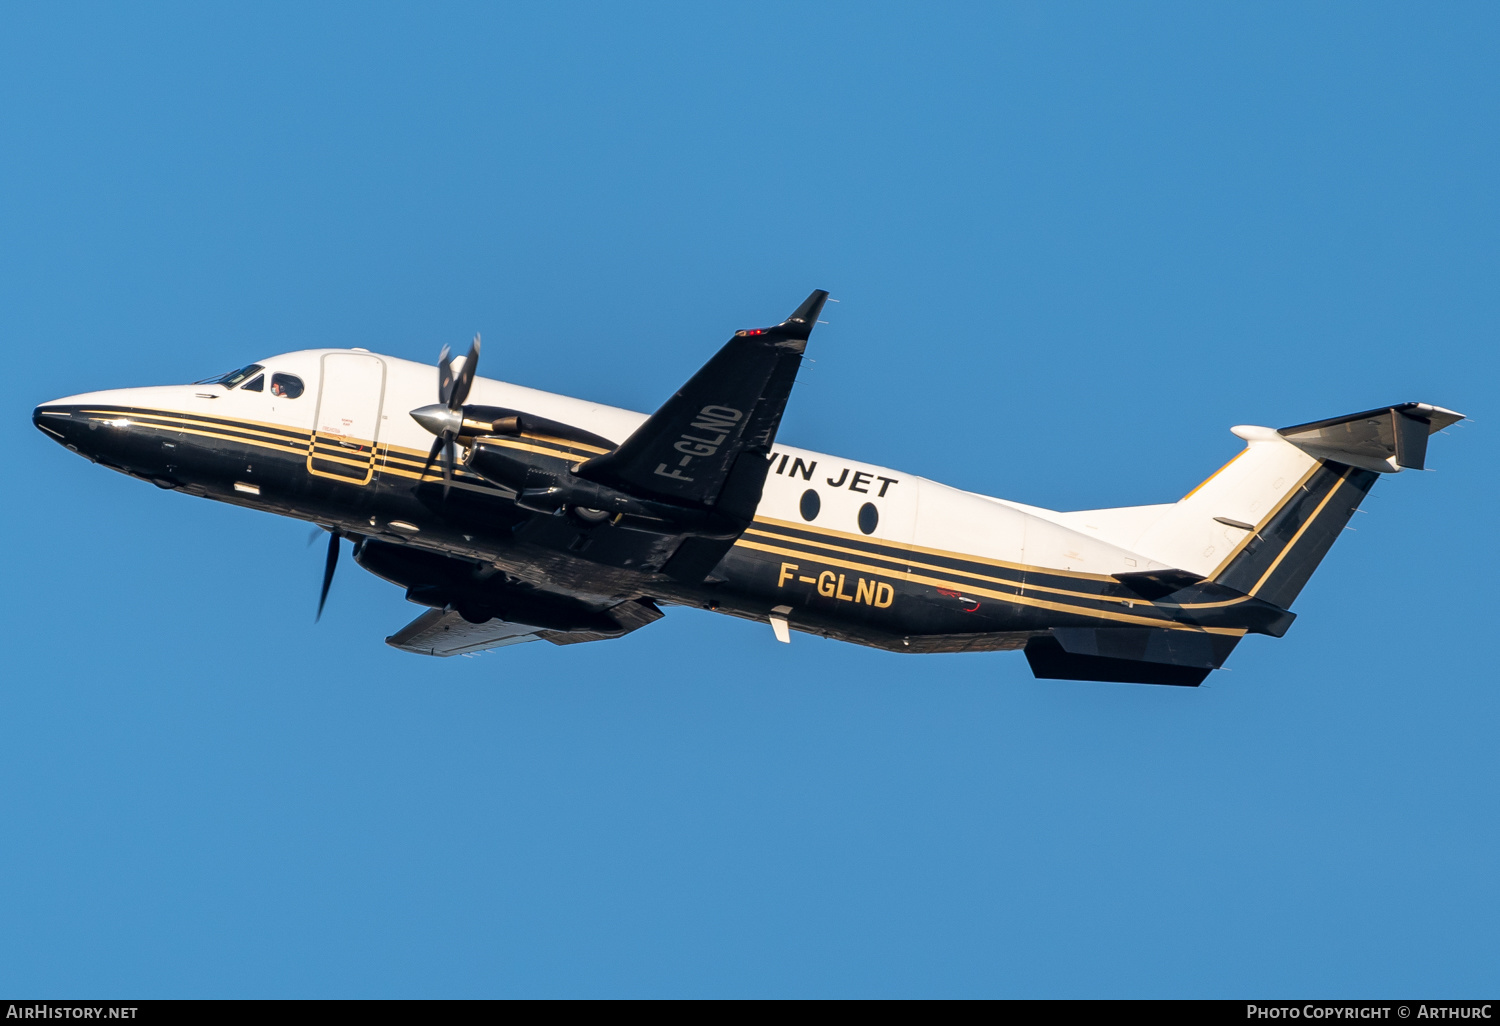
(445, 417)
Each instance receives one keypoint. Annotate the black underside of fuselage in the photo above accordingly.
(851, 588)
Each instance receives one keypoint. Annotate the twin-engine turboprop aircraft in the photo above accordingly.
(569, 521)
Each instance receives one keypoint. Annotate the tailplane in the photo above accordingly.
(1259, 526)
(1264, 521)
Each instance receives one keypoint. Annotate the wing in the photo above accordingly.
(439, 632)
(693, 450)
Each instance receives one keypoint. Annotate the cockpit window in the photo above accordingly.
(255, 384)
(235, 377)
(287, 386)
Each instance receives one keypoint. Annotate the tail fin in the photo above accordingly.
(1276, 560)
(1264, 521)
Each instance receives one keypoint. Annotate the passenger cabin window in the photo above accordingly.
(235, 377)
(287, 386)
(255, 384)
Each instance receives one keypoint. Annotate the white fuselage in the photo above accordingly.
(911, 511)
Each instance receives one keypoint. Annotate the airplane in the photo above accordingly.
(515, 515)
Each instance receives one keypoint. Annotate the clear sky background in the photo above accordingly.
(1074, 244)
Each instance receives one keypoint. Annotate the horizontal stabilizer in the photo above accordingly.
(1386, 440)
(1260, 524)
(1129, 655)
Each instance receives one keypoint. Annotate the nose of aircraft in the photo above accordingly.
(63, 421)
(132, 430)
(93, 424)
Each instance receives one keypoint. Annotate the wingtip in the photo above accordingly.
(811, 307)
(800, 324)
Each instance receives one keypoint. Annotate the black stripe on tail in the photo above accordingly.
(1284, 553)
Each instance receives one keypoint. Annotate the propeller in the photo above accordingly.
(328, 567)
(445, 417)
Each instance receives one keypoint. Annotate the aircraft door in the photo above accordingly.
(346, 428)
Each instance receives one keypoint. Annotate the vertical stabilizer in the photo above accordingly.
(1211, 525)
(1275, 561)
(1265, 520)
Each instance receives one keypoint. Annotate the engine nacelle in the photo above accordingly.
(547, 487)
(477, 591)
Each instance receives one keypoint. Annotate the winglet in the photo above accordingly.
(796, 328)
(800, 324)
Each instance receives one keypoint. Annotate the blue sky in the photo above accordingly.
(1073, 244)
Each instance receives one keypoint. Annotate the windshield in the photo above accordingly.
(235, 377)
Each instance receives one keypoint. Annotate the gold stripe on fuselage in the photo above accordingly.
(293, 435)
(399, 461)
(565, 443)
(283, 446)
(529, 443)
(275, 440)
(254, 427)
(1022, 586)
(1019, 599)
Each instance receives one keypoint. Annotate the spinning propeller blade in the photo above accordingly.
(445, 376)
(465, 379)
(328, 568)
(432, 454)
(449, 458)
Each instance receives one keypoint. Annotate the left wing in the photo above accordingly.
(443, 632)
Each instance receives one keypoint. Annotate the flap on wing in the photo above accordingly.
(440, 633)
(1384, 440)
(684, 452)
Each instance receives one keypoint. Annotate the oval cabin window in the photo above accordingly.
(810, 505)
(869, 517)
